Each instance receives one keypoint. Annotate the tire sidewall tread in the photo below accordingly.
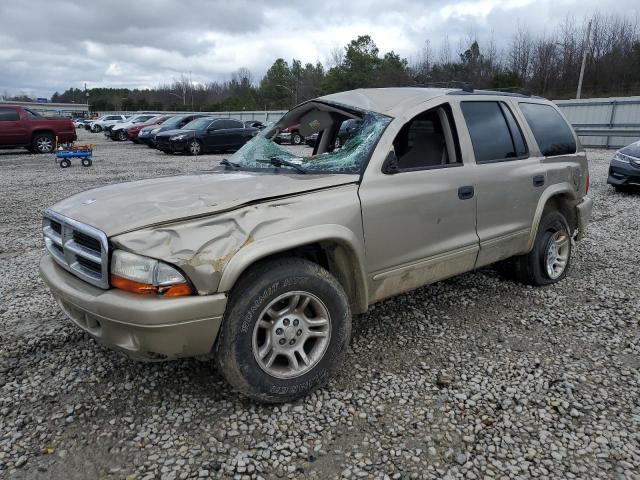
(261, 285)
(529, 268)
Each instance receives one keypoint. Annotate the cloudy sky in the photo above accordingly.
(48, 45)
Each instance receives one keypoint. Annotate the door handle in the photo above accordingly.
(466, 192)
(538, 180)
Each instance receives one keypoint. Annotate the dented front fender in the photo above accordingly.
(213, 251)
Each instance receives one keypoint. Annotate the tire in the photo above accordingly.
(194, 147)
(96, 129)
(275, 284)
(532, 268)
(43, 143)
(86, 162)
(296, 139)
(65, 163)
(121, 135)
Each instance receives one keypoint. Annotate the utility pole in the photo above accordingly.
(584, 60)
(191, 88)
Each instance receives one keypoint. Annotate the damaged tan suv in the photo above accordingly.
(263, 262)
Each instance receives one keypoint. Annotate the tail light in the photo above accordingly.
(588, 184)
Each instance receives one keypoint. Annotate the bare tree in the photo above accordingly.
(520, 53)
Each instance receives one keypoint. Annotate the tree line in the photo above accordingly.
(545, 64)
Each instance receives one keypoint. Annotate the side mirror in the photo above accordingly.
(390, 165)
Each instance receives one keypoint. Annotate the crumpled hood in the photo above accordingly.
(124, 207)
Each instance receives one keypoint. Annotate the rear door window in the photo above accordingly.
(8, 115)
(550, 130)
(228, 124)
(494, 132)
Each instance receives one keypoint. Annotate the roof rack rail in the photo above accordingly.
(520, 90)
(464, 86)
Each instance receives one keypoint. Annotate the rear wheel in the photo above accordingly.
(65, 163)
(43, 143)
(285, 332)
(549, 260)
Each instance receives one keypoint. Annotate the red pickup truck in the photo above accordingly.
(21, 127)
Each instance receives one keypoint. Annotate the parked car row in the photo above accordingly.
(193, 133)
(119, 130)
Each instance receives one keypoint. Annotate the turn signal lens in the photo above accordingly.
(176, 290)
(133, 286)
(179, 290)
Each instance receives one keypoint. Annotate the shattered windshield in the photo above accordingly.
(348, 158)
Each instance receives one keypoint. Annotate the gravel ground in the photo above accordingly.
(471, 377)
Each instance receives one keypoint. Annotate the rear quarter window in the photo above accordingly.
(495, 134)
(553, 135)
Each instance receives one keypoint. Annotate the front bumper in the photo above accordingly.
(173, 146)
(622, 173)
(584, 209)
(283, 137)
(141, 327)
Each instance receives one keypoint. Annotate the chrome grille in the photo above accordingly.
(81, 249)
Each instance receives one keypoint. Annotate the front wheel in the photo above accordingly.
(296, 139)
(285, 332)
(549, 260)
(122, 135)
(194, 147)
(96, 129)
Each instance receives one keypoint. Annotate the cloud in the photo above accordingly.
(47, 46)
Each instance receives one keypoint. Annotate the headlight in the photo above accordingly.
(182, 136)
(621, 157)
(145, 275)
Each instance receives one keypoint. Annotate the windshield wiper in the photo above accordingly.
(232, 165)
(279, 162)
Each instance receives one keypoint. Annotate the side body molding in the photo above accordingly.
(352, 263)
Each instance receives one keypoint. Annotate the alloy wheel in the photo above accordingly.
(291, 335)
(557, 254)
(194, 147)
(44, 144)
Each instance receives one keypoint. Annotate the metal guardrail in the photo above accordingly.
(622, 114)
(603, 131)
